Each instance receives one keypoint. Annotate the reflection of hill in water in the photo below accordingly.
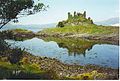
(75, 46)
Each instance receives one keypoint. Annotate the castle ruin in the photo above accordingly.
(77, 19)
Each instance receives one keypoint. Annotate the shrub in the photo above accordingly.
(16, 55)
(60, 24)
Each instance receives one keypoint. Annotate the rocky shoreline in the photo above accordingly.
(63, 71)
(60, 71)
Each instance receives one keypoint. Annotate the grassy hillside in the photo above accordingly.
(90, 29)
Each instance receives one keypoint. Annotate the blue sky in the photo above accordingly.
(98, 10)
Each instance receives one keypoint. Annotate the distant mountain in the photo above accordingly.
(32, 27)
(118, 24)
(109, 22)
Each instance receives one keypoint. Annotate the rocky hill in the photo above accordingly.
(76, 19)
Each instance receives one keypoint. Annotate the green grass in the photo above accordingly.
(7, 65)
(21, 31)
(31, 68)
(89, 29)
(27, 71)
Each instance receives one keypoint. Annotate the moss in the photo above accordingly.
(89, 76)
(24, 60)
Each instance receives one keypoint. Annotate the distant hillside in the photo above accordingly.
(34, 27)
(109, 22)
(118, 24)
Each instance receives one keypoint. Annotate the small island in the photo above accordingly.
(78, 26)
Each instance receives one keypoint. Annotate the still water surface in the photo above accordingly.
(68, 51)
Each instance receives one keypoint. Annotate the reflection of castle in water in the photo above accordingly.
(78, 49)
(74, 46)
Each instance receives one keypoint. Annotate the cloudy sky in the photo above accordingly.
(98, 10)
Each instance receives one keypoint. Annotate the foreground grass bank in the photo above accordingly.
(24, 71)
(46, 68)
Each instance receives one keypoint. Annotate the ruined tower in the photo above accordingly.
(84, 14)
